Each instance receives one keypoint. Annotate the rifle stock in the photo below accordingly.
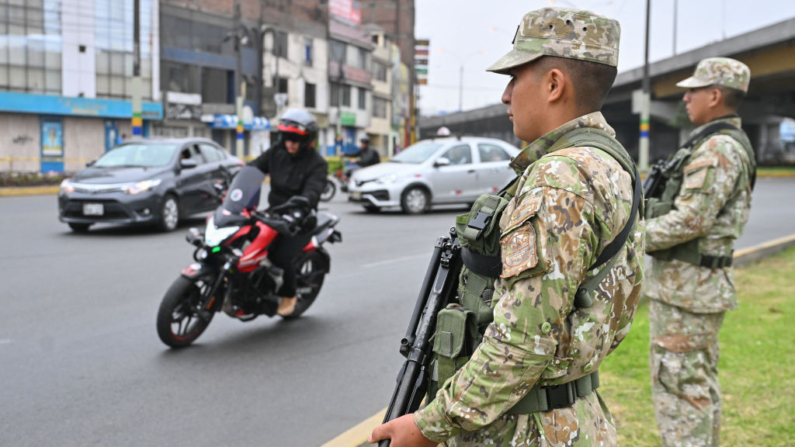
(438, 287)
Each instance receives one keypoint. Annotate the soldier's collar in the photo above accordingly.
(540, 147)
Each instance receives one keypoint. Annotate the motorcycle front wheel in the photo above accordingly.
(328, 191)
(178, 320)
(311, 273)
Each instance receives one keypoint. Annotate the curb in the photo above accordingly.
(749, 255)
(29, 191)
(357, 436)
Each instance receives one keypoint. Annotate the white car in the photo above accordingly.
(434, 172)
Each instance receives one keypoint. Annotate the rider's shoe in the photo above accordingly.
(287, 306)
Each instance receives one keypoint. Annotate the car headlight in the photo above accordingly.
(392, 178)
(140, 187)
(67, 187)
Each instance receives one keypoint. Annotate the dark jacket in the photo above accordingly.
(367, 157)
(300, 175)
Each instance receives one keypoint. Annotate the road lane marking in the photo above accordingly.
(359, 434)
(5, 341)
(394, 261)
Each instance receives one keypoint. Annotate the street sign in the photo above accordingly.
(280, 98)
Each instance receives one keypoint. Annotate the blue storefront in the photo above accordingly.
(52, 112)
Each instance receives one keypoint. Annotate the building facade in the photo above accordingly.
(66, 80)
(380, 129)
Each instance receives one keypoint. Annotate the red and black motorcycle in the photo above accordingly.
(232, 272)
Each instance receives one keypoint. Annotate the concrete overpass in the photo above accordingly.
(769, 52)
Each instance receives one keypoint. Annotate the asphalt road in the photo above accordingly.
(81, 364)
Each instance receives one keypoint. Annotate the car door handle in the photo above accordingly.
(471, 171)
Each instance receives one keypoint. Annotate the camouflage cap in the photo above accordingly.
(562, 32)
(719, 71)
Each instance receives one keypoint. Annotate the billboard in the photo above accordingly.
(346, 10)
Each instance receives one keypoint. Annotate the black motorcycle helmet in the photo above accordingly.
(298, 125)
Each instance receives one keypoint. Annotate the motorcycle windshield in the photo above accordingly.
(244, 192)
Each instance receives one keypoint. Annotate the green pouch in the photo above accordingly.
(479, 230)
(452, 341)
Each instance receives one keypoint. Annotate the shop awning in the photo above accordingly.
(219, 121)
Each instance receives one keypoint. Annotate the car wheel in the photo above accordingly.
(415, 200)
(79, 227)
(372, 209)
(169, 214)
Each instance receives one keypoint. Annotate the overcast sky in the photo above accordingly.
(464, 29)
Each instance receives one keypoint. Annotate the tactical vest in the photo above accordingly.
(674, 174)
(460, 326)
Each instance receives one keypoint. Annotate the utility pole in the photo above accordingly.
(643, 153)
(676, 5)
(137, 119)
(238, 88)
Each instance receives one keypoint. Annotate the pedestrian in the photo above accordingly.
(691, 229)
(566, 243)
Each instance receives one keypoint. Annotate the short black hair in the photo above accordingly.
(592, 80)
(732, 98)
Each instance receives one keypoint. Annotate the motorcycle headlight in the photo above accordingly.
(67, 187)
(140, 187)
(213, 236)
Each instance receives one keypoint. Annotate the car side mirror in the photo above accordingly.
(90, 163)
(441, 161)
(187, 163)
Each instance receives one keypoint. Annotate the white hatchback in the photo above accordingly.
(434, 172)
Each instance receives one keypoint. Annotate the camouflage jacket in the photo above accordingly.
(713, 206)
(570, 205)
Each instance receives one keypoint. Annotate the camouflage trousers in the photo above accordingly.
(684, 375)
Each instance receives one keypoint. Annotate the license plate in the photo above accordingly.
(93, 209)
(357, 195)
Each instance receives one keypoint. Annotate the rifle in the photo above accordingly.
(438, 289)
(656, 179)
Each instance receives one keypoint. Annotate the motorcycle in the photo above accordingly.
(232, 272)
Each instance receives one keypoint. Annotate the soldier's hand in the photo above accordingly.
(403, 432)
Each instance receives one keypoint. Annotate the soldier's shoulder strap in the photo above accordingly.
(590, 137)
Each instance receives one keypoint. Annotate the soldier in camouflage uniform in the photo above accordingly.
(570, 203)
(690, 235)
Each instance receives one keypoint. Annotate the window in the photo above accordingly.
(30, 46)
(346, 95)
(211, 153)
(308, 52)
(491, 152)
(338, 51)
(363, 58)
(192, 152)
(459, 155)
(280, 44)
(215, 86)
(281, 85)
(309, 95)
(379, 71)
(379, 107)
(375, 39)
(114, 50)
(334, 95)
(362, 99)
(179, 77)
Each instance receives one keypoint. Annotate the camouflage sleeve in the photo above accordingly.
(546, 244)
(709, 180)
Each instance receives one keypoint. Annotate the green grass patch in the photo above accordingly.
(778, 170)
(757, 364)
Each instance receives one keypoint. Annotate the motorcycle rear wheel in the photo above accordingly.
(178, 322)
(310, 269)
(328, 191)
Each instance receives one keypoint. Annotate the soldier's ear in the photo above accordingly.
(715, 97)
(557, 84)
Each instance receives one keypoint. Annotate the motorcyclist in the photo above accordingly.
(367, 156)
(295, 169)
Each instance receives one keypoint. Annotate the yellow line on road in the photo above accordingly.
(358, 435)
(29, 191)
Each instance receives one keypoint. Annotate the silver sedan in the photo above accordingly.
(434, 172)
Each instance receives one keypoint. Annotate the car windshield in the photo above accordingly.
(416, 153)
(138, 155)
